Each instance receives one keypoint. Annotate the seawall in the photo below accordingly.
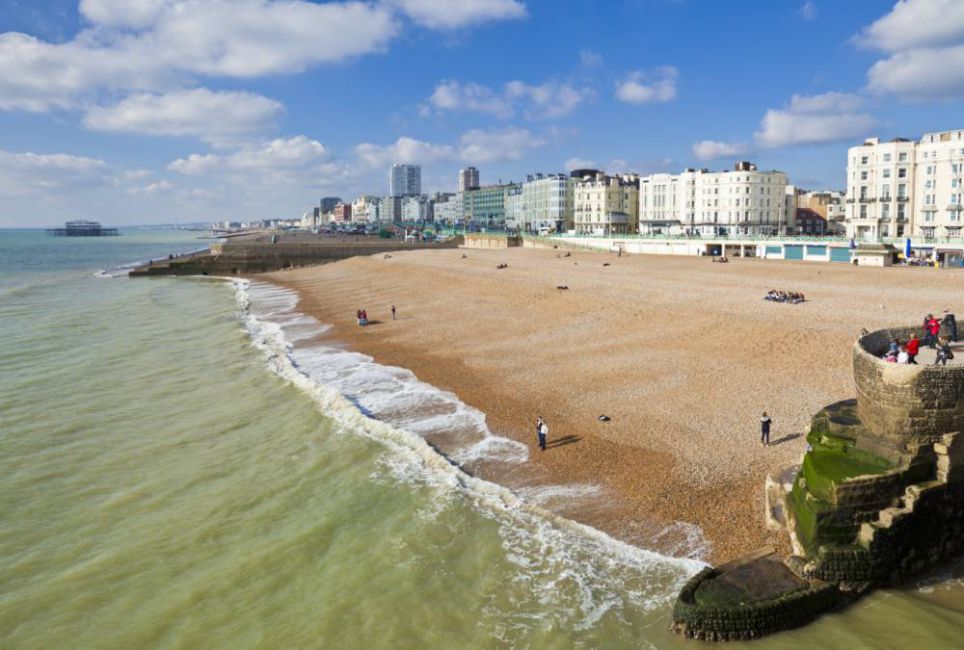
(266, 254)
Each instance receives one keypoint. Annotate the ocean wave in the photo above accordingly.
(553, 554)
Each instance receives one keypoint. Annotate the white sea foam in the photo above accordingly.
(553, 554)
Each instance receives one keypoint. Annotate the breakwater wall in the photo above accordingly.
(879, 498)
(264, 255)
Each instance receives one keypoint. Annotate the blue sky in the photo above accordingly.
(143, 111)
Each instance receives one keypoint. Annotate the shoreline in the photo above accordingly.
(651, 480)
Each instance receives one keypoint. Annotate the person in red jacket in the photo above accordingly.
(933, 330)
(913, 348)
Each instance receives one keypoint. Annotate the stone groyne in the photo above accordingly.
(878, 499)
(279, 252)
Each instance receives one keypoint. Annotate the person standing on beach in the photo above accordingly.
(393, 312)
(765, 422)
(542, 432)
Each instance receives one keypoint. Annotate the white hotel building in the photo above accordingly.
(700, 202)
(903, 187)
(548, 202)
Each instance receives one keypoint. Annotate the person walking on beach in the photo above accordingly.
(542, 432)
(393, 312)
(765, 429)
(913, 349)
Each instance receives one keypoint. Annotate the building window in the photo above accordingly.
(901, 191)
(902, 172)
(886, 157)
(863, 176)
(930, 169)
(886, 173)
(902, 157)
(863, 160)
(900, 211)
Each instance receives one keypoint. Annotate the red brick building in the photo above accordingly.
(342, 212)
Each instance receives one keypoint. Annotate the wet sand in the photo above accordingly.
(683, 355)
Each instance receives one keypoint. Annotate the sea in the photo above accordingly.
(184, 464)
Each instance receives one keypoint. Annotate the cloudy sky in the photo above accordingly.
(143, 111)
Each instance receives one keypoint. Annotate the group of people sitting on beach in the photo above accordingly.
(791, 297)
(362, 317)
(722, 259)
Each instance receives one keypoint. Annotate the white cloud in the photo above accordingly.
(590, 59)
(829, 117)
(925, 42)
(219, 118)
(914, 24)
(32, 173)
(157, 187)
(580, 163)
(486, 146)
(551, 99)
(809, 10)
(469, 96)
(657, 85)
(455, 14)
(176, 40)
(920, 75)
(403, 150)
(280, 155)
(711, 150)
(122, 13)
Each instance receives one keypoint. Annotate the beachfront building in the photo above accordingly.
(328, 203)
(548, 203)
(903, 187)
(405, 180)
(366, 209)
(742, 201)
(390, 209)
(606, 205)
(448, 209)
(468, 179)
(880, 188)
(342, 213)
(485, 207)
(514, 208)
(416, 208)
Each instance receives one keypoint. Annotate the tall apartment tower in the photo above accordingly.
(468, 179)
(405, 180)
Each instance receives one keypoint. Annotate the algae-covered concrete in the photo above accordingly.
(879, 498)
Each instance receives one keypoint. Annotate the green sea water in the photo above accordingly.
(176, 471)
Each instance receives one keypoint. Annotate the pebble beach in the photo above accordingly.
(681, 355)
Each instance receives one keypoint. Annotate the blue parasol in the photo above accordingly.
(907, 248)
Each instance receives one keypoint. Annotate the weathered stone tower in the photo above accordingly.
(878, 498)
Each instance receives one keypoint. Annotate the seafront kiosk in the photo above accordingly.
(877, 499)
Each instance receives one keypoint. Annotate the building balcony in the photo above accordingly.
(867, 199)
(929, 208)
(903, 199)
(955, 207)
